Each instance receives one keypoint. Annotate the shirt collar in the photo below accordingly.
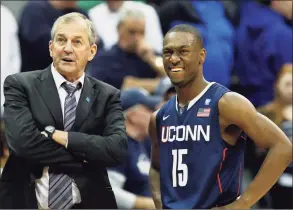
(59, 79)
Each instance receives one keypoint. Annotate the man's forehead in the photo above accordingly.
(134, 22)
(72, 29)
(178, 39)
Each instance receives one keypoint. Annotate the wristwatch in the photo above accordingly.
(50, 130)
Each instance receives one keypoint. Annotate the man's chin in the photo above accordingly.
(68, 69)
(177, 83)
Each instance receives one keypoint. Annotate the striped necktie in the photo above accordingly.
(60, 185)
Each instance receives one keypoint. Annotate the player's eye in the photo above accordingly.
(184, 51)
(167, 52)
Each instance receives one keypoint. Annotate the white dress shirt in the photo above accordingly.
(10, 51)
(101, 14)
(42, 185)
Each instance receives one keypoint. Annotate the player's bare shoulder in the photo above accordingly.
(233, 100)
(234, 107)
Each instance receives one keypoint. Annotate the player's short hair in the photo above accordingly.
(188, 29)
(71, 17)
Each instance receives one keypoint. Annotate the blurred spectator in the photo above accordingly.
(134, 96)
(218, 37)
(264, 45)
(88, 4)
(35, 25)
(232, 11)
(280, 109)
(176, 10)
(286, 127)
(130, 180)
(131, 97)
(156, 3)
(10, 52)
(282, 192)
(105, 17)
(3, 148)
(280, 112)
(131, 63)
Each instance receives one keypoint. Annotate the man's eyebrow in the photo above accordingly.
(175, 46)
(63, 35)
(60, 35)
(78, 37)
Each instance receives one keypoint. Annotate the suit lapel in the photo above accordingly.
(48, 91)
(86, 100)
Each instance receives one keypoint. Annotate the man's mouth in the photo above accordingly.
(67, 60)
(176, 69)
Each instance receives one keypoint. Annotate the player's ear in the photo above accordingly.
(202, 56)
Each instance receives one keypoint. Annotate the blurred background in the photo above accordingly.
(249, 50)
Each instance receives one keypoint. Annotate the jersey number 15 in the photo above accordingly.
(180, 169)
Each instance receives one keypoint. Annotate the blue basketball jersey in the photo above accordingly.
(198, 169)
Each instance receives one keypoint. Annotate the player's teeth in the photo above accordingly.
(176, 69)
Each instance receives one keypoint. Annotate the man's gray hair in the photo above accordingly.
(71, 17)
(132, 13)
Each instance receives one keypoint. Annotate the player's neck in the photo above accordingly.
(186, 94)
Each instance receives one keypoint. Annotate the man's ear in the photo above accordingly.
(50, 48)
(202, 56)
(94, 49)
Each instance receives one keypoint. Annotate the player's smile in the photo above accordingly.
(176, 73)
(176, 69)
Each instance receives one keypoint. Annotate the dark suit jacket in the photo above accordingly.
(97, 140)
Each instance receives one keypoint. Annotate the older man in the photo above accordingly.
(131, 63)
(63, 128)
(109, 11)
(35, 23)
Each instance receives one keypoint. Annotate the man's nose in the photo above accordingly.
(174, 59)
(68, 47)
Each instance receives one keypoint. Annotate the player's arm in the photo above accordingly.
(237, 110)
(154, 174)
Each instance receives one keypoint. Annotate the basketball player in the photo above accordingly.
(199, 135)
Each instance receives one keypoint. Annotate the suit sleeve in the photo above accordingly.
(23, 137)
(109, 149)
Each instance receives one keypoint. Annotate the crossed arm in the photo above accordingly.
(108, 149)
(25, 139)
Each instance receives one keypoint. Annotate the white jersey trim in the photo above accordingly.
(193, 101)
